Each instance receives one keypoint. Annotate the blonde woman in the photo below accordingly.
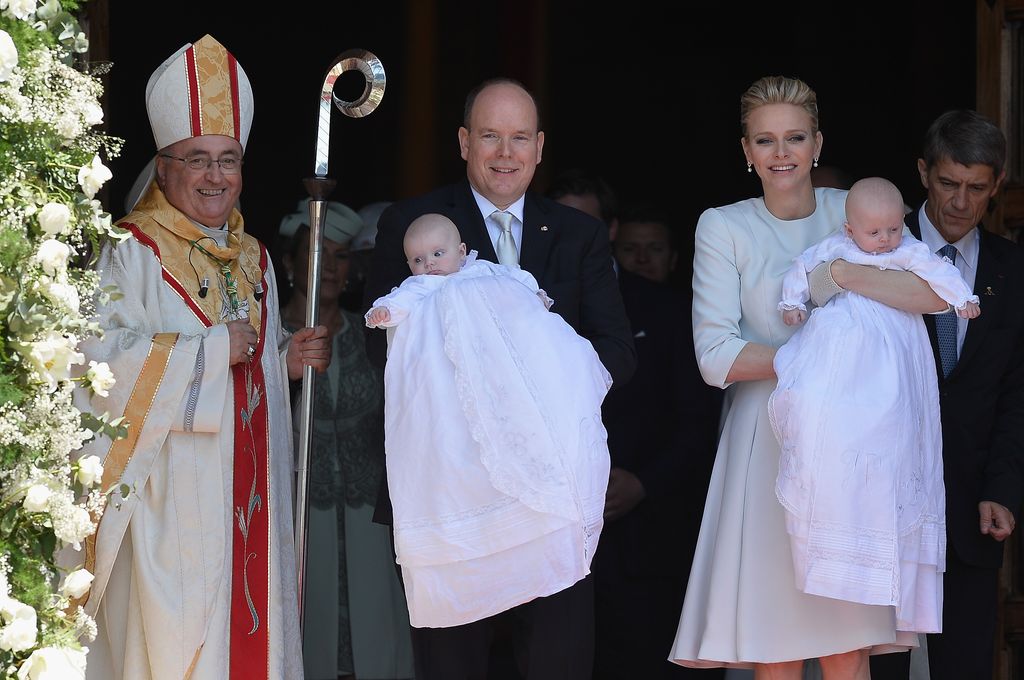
(742, 606)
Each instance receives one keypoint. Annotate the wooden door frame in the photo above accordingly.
(1000, 95)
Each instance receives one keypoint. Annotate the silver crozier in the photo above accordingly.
(319, 188)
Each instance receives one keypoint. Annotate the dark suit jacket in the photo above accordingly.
(662, 426)
(566, 250)
(982, 401)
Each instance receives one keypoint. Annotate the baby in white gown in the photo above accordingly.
(856, 413)
(496, 457)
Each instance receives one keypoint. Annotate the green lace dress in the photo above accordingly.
(355, 614)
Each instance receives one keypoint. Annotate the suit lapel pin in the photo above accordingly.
(543, 227)
(988, 290)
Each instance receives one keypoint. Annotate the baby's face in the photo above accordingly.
(435, 251)
(875, 231)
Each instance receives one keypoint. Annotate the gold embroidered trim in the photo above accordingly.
(135, 411)
(192, 666)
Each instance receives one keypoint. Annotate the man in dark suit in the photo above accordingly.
(662, 429)
(568, 254)
(981, 397)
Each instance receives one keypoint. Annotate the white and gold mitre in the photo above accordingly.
(199, 90)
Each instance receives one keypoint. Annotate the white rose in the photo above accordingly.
(52, 357)
(19, 635)
(54, 218)
(8, 55)
(20, 632)
(74, 526)
(54, 663)
(37, 498)
(12, 610)
(90, 470)
(21, 9)
(101, 379)
(91, 177)
(92, 113)
(77, 583)
(63, 294)
(53, 256)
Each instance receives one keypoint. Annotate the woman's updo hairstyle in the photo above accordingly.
(779, 90)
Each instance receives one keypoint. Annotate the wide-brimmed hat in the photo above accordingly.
(341, 223)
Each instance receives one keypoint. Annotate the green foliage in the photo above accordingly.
(51, 164)
(10, 391)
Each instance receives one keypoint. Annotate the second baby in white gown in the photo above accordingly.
(856, 413)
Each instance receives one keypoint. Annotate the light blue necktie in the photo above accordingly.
(945, 325)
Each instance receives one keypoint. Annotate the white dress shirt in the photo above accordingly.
(493, 228)
(966, 260)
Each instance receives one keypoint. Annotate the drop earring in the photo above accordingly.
(750, 167)
(291, 279)
(815, 162)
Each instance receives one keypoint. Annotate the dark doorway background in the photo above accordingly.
(650, 103)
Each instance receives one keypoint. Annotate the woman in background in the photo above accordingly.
(355, 620)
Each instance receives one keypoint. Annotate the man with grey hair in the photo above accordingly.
(981, 393)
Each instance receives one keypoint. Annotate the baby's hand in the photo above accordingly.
(378, 315)
(794, 317)
(970, 311)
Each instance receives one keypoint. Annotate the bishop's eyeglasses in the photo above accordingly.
(229, 165)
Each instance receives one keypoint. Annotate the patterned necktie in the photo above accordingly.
(507, 252)
(945, 325)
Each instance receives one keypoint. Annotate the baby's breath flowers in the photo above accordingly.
(51, 168)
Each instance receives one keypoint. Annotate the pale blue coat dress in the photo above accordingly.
(742, 605)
